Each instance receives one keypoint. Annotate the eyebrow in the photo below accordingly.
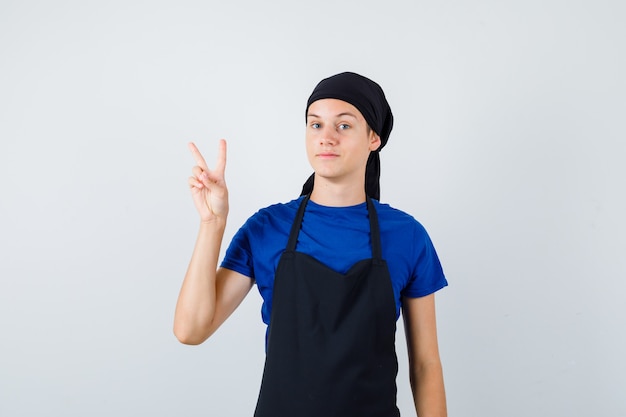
(339, 115)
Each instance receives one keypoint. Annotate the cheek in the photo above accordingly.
(308, 144)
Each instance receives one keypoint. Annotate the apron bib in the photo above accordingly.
(331, 341)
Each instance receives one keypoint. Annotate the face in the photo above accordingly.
(338, 141)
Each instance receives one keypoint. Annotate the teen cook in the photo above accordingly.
(334, 267)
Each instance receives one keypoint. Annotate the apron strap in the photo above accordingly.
(295, 227)
(377, 253)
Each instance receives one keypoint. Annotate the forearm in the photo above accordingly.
(195, 308)
(428, 390)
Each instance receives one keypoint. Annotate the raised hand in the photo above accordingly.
(208, 187)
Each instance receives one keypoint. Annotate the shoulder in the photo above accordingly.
(273, 216)
(263, 230)
(391, 218)
(402, 230)
(281, 207)
(278, 209)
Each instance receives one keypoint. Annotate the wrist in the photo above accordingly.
(214, 223)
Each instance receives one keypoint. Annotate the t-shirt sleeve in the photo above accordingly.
(238, 256)
(427, 275)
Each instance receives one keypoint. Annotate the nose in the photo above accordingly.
(328, 136)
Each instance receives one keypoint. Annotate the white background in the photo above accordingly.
(509, 146)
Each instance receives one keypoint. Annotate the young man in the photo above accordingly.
(334, 268)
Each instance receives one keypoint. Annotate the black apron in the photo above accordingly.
(331, 342)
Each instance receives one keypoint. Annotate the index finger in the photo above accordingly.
(197, 156)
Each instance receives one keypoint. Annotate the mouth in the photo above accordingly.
(327, 155)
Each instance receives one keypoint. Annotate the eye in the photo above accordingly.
(344, 126)
(315, 125)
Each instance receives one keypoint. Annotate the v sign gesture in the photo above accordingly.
(208, 187)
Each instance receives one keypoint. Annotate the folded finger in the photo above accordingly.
(194, 183)
(197, 171)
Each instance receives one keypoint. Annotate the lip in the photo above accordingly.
(327, 155)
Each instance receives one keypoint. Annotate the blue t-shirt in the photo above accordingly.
(339, 237)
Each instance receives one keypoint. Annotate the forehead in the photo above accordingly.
(331, 107)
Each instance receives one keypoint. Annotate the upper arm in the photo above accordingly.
(231, 288)
(421, 330)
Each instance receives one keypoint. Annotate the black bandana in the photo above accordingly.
(369, 99)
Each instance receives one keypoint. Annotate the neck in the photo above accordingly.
(329, 194)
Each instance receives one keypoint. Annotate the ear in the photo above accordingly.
(374, 141)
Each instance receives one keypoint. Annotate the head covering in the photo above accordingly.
(369, 99)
